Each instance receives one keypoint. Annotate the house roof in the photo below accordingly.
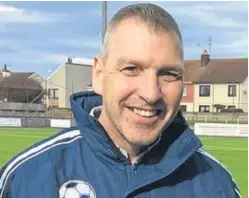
(24, 74)
(217, 71)
(19, 82)
(193, 70)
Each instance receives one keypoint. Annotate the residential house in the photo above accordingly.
(214, 84)
(68, 78)
(193, 71)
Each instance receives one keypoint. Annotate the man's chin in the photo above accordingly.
(144, 142)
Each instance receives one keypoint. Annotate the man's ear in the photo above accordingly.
(97, 75)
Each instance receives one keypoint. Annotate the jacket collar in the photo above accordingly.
(177, 143)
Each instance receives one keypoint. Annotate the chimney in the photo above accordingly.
(69, 60)
(5, 72)
(205, 58)
(5, 68)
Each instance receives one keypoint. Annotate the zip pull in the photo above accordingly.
(134, 167)
(134, 163)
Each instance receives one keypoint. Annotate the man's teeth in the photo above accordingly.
(144, 113)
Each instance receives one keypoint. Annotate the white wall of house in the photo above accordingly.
(244, 95)
(219, 96)
(57, 80)
(78, 77)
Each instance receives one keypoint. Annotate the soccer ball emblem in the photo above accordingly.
(76, 189)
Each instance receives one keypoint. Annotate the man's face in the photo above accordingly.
(141, 84)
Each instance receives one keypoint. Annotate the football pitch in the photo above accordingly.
(232, 152)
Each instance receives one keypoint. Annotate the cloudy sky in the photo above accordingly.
(39, 36)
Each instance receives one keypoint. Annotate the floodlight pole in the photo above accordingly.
(104, 18)
(46, 97)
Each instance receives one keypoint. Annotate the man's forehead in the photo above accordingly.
(125, 39)
(130, 24)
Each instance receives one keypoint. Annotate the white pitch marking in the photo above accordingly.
(24, 136)
(225, 148)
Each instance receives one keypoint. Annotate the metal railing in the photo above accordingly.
(229, 119)
(41, 121)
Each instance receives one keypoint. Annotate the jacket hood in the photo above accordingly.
(177, 144)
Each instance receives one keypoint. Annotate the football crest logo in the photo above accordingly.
(76, 189)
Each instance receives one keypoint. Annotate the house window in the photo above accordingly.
(184, 91)
(204, 90)
(56, 95)
(204, 108)
(53, 93)
(183, 108)
(231, 90)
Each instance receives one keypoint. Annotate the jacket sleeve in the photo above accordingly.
(236, 191)
(9, 183)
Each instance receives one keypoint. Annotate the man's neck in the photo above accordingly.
(129, 150)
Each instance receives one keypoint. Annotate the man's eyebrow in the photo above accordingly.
(173, 67)
(123, 60)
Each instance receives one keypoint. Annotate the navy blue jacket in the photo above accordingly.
(83, 162)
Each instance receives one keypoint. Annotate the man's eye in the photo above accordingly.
(131, 70)
(170, 76)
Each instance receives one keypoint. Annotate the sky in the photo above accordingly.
(39, 36)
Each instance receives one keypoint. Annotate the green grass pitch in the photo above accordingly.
(232, 152)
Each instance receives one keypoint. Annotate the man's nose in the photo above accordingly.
(150, 89)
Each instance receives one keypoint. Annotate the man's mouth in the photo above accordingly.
(145, 113)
